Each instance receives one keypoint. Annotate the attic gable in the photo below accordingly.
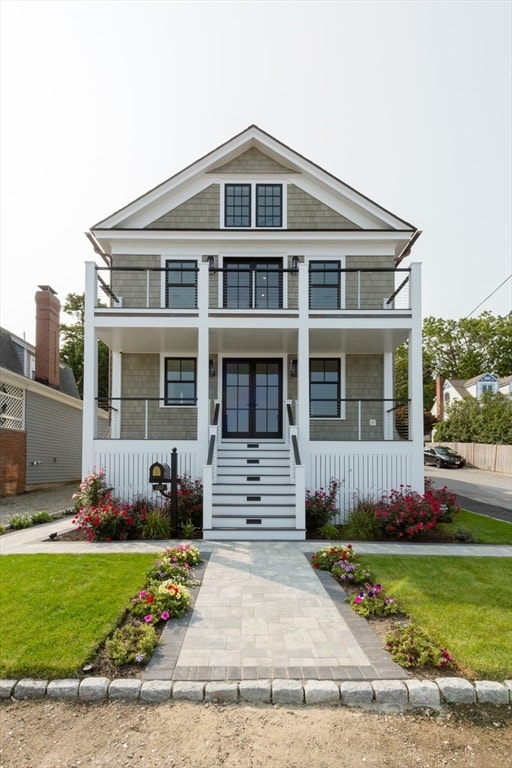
(251, 162)
(254, 152)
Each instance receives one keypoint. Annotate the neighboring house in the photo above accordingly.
(255, 303)
(449, 391)
(40, 407)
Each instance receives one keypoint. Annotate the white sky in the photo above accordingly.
(409, 102)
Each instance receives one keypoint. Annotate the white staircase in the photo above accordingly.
(253, 496)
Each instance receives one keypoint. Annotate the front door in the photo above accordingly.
(252, 396)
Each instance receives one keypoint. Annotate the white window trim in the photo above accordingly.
(253, 182)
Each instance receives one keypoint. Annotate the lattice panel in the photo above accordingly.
(12, 407)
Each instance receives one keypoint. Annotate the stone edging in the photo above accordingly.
(384, 695)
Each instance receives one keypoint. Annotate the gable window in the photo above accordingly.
(181, 284)
(252, 284)
(324, 388)
(180, 381)
(324, 285)
(248, 205)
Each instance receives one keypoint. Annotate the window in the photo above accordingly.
(324, 285)
(268, 205)
(324, 388)
(237, 205)
(253, 284)
(180, 381)
(181, 284)
(263, 209)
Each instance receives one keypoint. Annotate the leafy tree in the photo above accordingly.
(72, 351)
(488, 420)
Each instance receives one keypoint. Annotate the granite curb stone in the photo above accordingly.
(385, 695)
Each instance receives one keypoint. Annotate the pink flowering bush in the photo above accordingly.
(321, 506)
(103, 517)
(445, 498)
(325, 558)
(350, 572)
(406, 514)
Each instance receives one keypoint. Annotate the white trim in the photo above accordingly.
(253, 182)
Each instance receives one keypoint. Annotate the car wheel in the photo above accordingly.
(439, 463)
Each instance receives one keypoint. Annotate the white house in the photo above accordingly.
(449, 391)
(252, 304)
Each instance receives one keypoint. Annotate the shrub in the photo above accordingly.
(321, 506)
(325, 558)
(133, 643)
(163, 570)
(329, 531)
(445, 498)
(372, 601)
(109, 521)
(156, 525)
(93, 490)
(350, 572)
(190, 502)
(362, 523)
(17, 522)
(41, 517)
(410, 646)
(407, 514)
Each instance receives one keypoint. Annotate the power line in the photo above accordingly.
(489, 296)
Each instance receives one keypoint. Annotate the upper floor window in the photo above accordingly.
(324, 285)
(180, 381)
(324, 388)
(248, 205)
(181, 284)
(252, 284)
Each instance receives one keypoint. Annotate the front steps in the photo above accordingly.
(253, 498)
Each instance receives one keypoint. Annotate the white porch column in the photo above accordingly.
(416, 382)
(116, 404)
(90, 371)
(202, 364)
(303, 358)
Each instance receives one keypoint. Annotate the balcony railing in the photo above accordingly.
(178, 289)
(142, 418)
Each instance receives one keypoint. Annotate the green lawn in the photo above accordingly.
(56, 610)
(463, 603)
(486, 530)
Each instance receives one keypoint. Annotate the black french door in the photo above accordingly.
(252, 398)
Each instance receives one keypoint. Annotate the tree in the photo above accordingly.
(488, 420)
(458, 349)
(72, 351)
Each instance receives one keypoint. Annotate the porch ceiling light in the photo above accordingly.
(211, 369)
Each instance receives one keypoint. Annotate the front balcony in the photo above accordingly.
(252, 287)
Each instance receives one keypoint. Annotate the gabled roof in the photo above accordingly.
(364, 212)
(482, 377)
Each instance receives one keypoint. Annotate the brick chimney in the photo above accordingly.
(47, 336)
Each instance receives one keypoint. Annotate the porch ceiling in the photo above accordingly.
(238, 341)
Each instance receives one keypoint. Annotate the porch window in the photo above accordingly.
(248, 205)
(324, 388)
(253, 284)
(324, 285)
(181, 284)
(180, 381)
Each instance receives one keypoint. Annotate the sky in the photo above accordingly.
(408, 102)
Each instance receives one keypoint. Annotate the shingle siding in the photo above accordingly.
(305, 212)
(253, 161)
(200, 212)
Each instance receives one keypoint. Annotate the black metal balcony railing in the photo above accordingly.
(330, 289)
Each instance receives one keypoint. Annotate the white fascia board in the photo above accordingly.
(155, 238)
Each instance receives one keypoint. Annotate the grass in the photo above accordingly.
(463, 603)
(56, 610)
(486, 530)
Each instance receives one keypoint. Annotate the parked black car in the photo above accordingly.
(442, 456)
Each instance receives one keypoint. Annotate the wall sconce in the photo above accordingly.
(293, 368)
(211, 264)
(295, 266)
(211, 369)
